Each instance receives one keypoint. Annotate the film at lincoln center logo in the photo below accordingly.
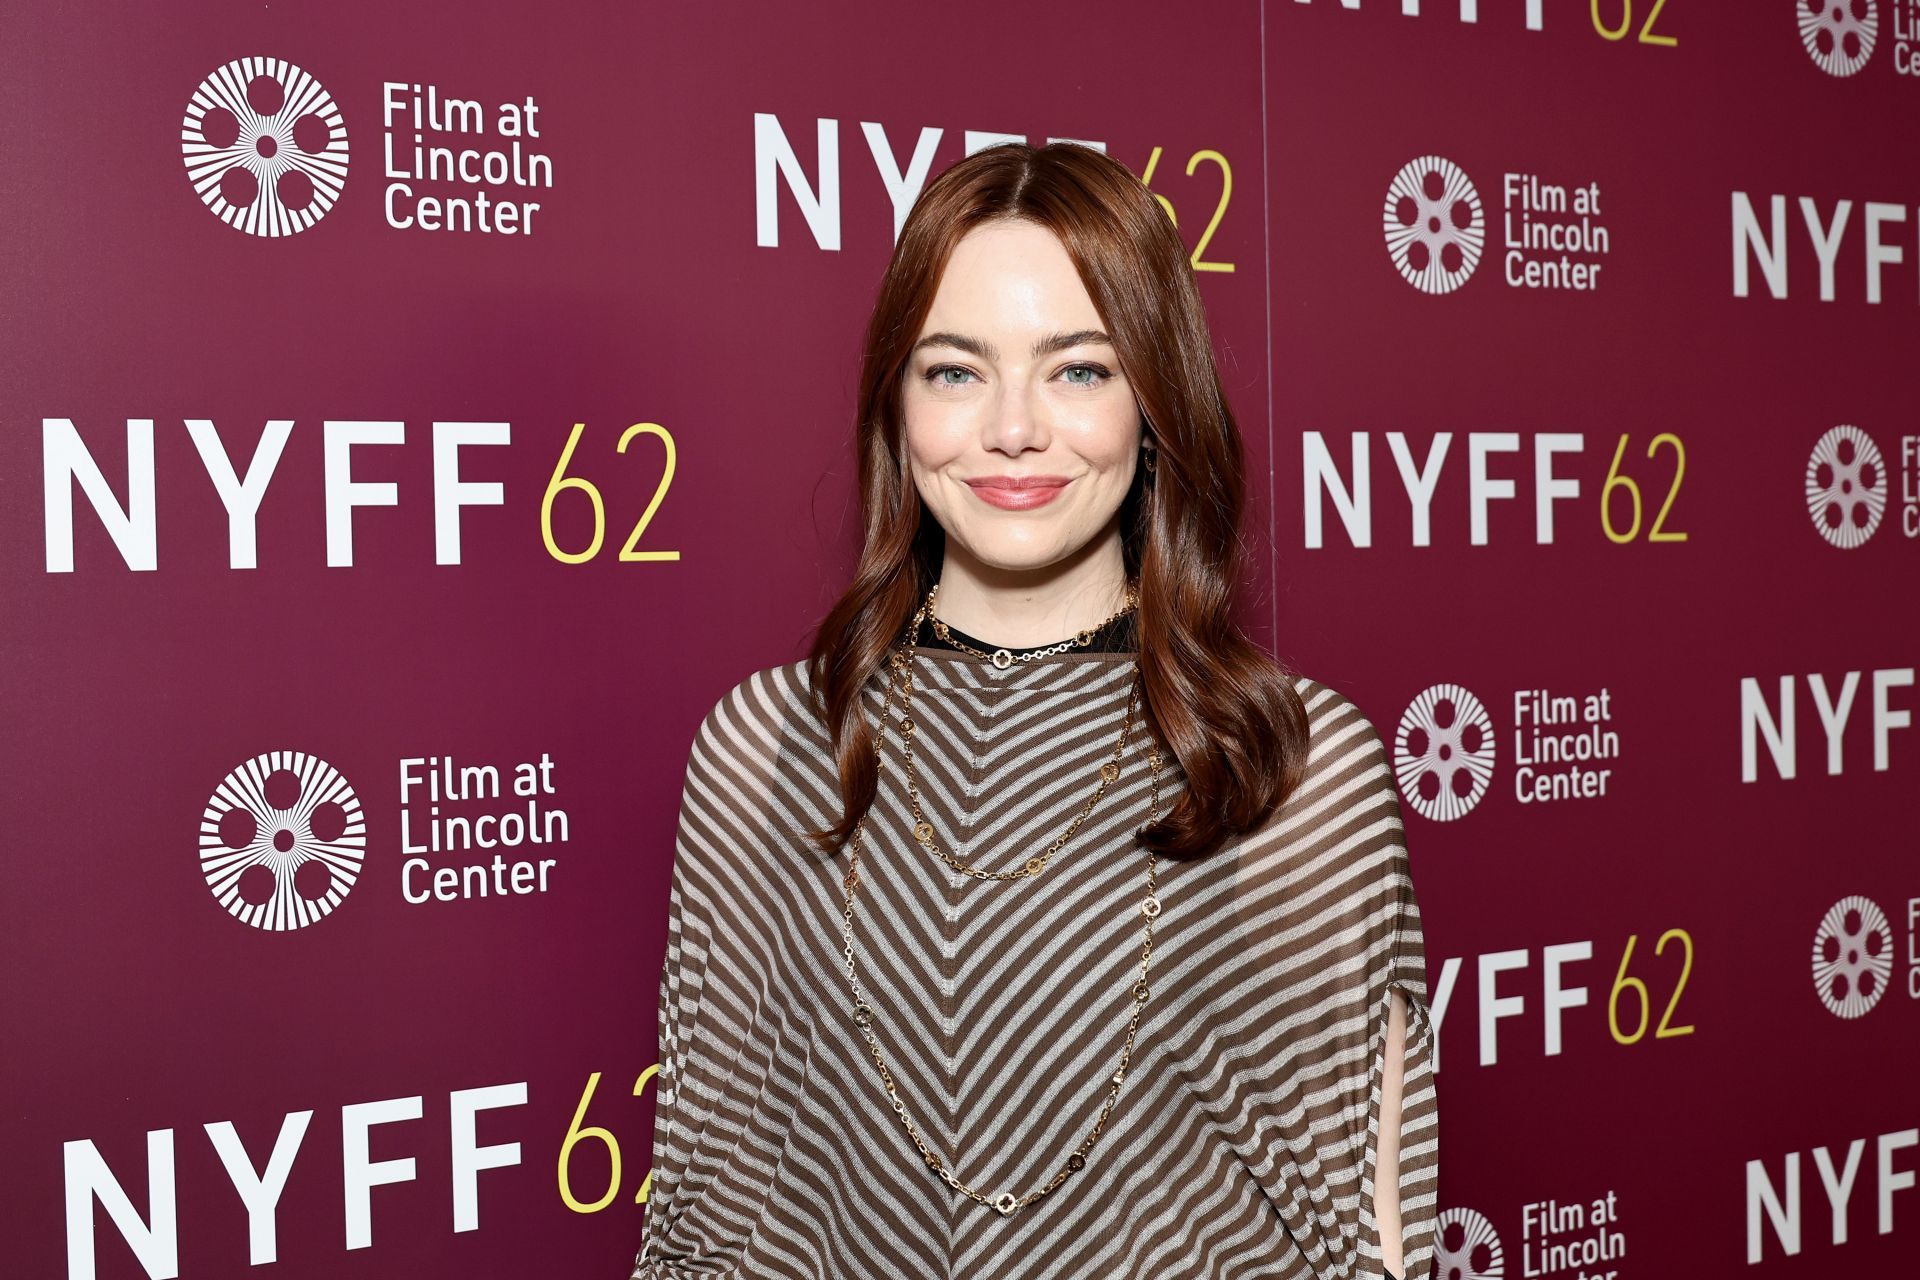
(1443, 752)
(1434, 224)
(1852, 956)
(1466, 1247)
(264, 146)
(1846, 486)
(281, 840)
(1839, 34)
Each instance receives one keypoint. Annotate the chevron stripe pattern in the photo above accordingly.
(1242, 1142)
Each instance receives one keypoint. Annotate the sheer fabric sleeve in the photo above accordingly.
(723, 811)
(1327, 898)
(669, 1154)
(1418, 1133)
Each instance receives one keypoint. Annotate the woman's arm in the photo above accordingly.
(1386, 1163)
(724, 802)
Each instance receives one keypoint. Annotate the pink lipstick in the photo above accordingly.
(1018, 493)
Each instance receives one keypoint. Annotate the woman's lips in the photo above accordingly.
(1019, 495)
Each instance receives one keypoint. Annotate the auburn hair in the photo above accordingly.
(1226, 710)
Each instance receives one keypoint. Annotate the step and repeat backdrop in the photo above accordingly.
(413, 417)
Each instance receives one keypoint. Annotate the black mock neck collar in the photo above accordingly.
(1116, 636)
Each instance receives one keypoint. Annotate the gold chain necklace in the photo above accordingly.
(1004, 658)
(902, 666)
(1006, 1202)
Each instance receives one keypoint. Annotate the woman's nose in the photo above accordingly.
(1016, 420)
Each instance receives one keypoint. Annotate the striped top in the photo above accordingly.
(1241, 1143)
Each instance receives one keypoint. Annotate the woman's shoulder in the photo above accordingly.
(740, 765)
(746, 726)
(1326, 874)
(1347, 793)
(1340, 736)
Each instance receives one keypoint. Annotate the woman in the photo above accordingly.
(1039, 925)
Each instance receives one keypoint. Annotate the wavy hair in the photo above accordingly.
(1218, 703)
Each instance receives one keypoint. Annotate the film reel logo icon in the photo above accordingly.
(1839, 34)
(282, 840)
(1852, 956)
(1434, 225)
(1466, 1247)
(1443, 752)
(1846, 486)
(265, 147)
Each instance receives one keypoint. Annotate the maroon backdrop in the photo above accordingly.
(1575, 349)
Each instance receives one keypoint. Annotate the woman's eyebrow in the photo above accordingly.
(987, 351)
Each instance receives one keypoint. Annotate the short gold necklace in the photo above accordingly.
(1004, 658)
(1006, 1202)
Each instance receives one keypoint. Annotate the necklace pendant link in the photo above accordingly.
(1002, 659)
(1006, 1204)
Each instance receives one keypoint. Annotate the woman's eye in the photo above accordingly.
(938, 375)
(1078, 375)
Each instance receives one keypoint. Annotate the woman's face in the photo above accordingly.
(1013, 381)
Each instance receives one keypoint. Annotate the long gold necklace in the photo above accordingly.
(902, 667)
(1007, 1203)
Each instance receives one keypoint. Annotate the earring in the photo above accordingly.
(1147, 458)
